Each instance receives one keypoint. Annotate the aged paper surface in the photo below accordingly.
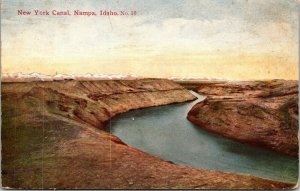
(136, 94)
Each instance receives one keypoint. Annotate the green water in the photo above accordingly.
(165, 132)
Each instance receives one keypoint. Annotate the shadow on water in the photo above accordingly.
(164, 131)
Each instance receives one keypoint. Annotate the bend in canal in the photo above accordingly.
(165, 132)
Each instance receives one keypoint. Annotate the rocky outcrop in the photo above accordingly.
(95, 102)
(261, 113)
(53, 137)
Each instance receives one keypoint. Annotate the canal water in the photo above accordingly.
(165, 132)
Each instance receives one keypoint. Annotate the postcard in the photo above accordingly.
(149, 94)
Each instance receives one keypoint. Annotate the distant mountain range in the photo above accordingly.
(21, 77)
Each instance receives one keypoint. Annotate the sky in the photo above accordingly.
(224, 39)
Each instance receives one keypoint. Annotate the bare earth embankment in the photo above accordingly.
(53, 137)
(260, 113)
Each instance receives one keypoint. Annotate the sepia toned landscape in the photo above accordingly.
(160, 94)
(57, 134)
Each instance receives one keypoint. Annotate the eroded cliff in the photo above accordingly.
(261, 113)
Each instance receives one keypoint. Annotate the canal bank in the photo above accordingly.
(163, 131)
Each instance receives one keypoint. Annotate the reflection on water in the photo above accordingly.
(164, 131)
